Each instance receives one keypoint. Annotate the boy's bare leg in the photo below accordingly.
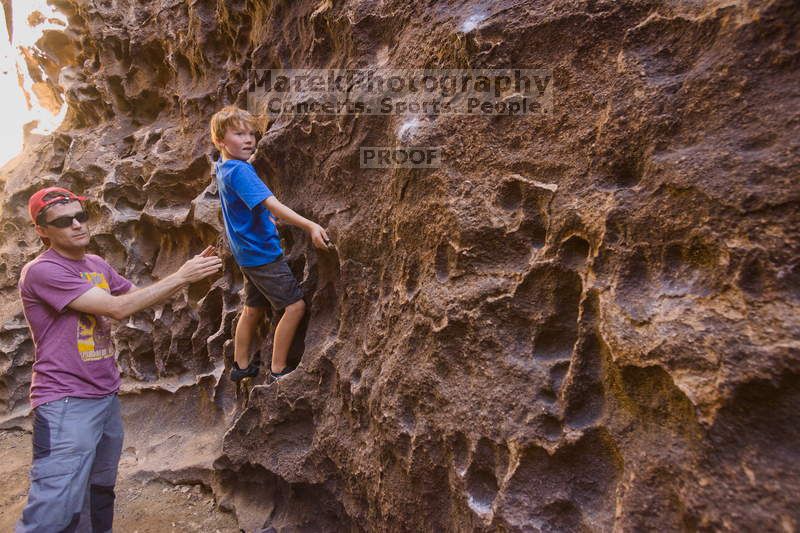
(284, 333)
(245, 334)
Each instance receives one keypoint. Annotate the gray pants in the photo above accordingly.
(77, 443)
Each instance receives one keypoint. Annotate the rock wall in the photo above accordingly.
(585, 320)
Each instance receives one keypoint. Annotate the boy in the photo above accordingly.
(246, 207)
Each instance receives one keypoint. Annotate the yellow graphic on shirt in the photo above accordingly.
(94, 333)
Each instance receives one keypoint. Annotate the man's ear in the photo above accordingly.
(40, 231)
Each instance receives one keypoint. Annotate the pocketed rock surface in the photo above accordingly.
(582, 321)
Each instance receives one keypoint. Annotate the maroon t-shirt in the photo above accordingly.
(75, 355)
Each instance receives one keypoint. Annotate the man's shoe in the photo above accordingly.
(272, 377)
(238, 374)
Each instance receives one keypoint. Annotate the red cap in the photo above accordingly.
(55, 195)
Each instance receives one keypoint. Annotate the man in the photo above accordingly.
(68, 296)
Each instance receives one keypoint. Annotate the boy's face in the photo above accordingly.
(239, 142)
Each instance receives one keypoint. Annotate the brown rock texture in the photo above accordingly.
(583, 321)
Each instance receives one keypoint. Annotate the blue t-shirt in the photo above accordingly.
(250, 227)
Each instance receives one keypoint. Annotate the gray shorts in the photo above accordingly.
(272, 283)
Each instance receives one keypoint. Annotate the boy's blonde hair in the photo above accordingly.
(230, 116)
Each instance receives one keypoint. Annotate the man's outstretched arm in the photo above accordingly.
(96, 301)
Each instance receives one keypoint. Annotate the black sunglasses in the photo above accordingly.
(66, 221)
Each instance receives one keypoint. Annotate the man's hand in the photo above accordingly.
(319, 237)
(200, 266)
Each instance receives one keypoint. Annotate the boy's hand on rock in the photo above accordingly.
(200, 266)
(319, 237)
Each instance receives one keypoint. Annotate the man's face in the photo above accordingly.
(239, 142)
(75, 235)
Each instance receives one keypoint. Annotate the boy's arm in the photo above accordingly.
(96, 301)
(318, 235)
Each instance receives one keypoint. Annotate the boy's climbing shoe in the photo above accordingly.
(272, 377)
(238, 374)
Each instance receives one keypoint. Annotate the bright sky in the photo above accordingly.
(15, 110)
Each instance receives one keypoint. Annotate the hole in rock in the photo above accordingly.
(550, 427)
(152, 137)
(128, 206)
(107, 246)
(553, 341)
(585, 406)
(563, 515)
(768, 411)
(633, 286)
(557, 373)
(406, 416)
(574, 251)
(210, 313)
(136, 357)
(751, 203)
(444, 252)
(484, 453)
(403, 445)
(672, 257)
(294, 435)
(460, 447)
(509, 196)
(547, 396)
(626, 173)
(481, 489)
(412, 278)
(657, 401)
(535, 231)
(751, 275)
(615, 229)
(147, 105)
(118, 93)
(502, 456)
(584, 473)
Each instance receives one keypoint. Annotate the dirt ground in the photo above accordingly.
(141, 507)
